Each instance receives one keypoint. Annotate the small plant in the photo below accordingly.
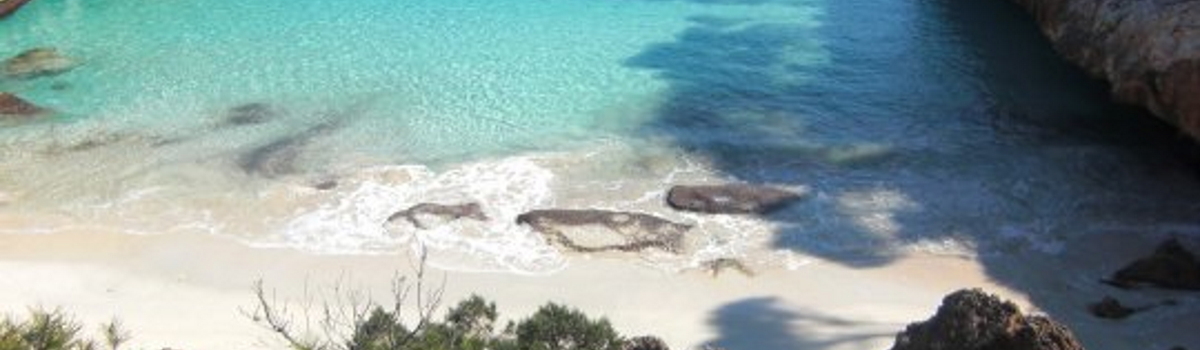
(55, 330)
(356, 323)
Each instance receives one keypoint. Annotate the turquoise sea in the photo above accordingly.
(939, 126)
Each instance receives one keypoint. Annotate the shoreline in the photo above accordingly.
(185, 291)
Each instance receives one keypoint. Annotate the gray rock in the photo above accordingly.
(446, 212)
(730, 199)
(629, 231)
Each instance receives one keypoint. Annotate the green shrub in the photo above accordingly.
(557, 327)
(382, 330)
(55, 330)
(473, 316)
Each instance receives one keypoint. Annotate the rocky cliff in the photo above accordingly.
(1149, 50)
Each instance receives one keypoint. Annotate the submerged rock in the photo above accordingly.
(8, 7)
(42, 61)
(730, 199)
(1110, 307)
(973, 320)
(1170, 266)
(1147, 50)
(279, 157)
(13, 107)
(250, 114)
(444, 212)
(624, 231)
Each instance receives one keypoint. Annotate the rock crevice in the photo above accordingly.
(1148, 50)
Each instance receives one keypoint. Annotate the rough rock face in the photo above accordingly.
(974, 320)
(730, 199)
(619, 231)
(37, 62)
(1171, 266)
(1149, 50)
(13, 107)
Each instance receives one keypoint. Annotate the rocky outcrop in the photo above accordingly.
(42, 61)
(13, 107)
(1170, 266)
(1149, 50)
(8, 7)
(730, 199)
(618, 231)
(974, 320)
(418, 214)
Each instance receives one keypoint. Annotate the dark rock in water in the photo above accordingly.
(279, 157)
(250, 114)
(1171, 266)
(644, 343)
(42, 61)
(8, 7)
(634, 231)
(1110, 307)
(14, 108)
(326, 185)
(730, 199)
(974, 320)
(1145, 49)
(445, 212)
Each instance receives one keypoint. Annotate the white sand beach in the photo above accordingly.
(186, 292)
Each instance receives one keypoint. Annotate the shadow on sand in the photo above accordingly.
(763, 323)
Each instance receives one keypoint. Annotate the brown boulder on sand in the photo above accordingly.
(974, 320)
(13, 107)
(730, 199)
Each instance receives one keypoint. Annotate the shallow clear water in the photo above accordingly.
(935, 126)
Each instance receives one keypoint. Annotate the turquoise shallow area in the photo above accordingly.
(936, 126)
(432, 78)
